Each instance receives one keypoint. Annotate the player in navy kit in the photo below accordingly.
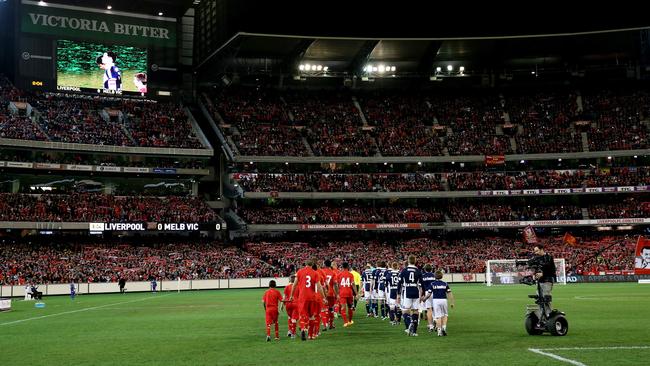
(367, 278)
(392, 280)
(427, 305)
(409, 293)
(379, 290)
(439, 291)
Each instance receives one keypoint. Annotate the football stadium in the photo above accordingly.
(235, 182)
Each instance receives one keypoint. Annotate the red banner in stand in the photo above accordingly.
(642, 256)
(495, 159)
(358, 226)
(529, 235)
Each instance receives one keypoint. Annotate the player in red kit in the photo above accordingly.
(271, 299)
(347, 292)
(330, 282)
(292, 308)
(307, 284)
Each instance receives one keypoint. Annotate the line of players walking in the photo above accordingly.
(315, 295)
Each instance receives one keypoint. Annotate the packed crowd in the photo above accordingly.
(618, 117)
(62, 263)
(77, 120)
(608, 177)
(488, 212)
(95, 120)
(625, 208)
(107, 262)
(161, 125)
(93, 207)
(15, 126)
(422, 124)
(454, 256)
(333, 123)
(545, 119)
(461, 181)
(338, 215)
(339, 182)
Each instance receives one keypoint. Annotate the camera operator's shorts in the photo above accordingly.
(439, 308)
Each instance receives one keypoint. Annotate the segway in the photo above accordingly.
(536, 321)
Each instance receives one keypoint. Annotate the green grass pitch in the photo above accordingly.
(227, 328)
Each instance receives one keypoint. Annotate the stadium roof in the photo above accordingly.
(253, 52)
(170, 8)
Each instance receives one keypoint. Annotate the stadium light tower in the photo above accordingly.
(379, 70)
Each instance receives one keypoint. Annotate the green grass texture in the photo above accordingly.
(226, 327)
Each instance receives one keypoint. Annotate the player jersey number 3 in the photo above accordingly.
(345, 282)
(308, 284)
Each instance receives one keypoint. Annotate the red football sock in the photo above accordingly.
(345, 318)
(350, 314)
(268, 330)
(304, 323)
(277, 331)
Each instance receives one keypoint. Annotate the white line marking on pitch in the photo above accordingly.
(80, 310)
(574, 362)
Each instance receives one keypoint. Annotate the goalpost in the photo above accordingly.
(506, 272)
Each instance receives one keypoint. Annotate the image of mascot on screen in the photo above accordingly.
(101, 68)
(112, 74)
(140, 81)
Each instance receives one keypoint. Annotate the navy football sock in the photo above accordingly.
(414, 320)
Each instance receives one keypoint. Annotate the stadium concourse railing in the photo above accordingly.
(448, 194)
(117, 227)
(434, 159)
(101, 168)
(219, 226)
(105, 148)
(445, 225)
(189, 285)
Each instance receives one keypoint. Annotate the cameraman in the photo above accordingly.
(545, 273)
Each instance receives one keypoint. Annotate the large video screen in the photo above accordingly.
(83, 66)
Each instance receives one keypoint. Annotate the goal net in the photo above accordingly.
(507, 272)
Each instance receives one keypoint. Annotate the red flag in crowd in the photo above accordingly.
(569, 239)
